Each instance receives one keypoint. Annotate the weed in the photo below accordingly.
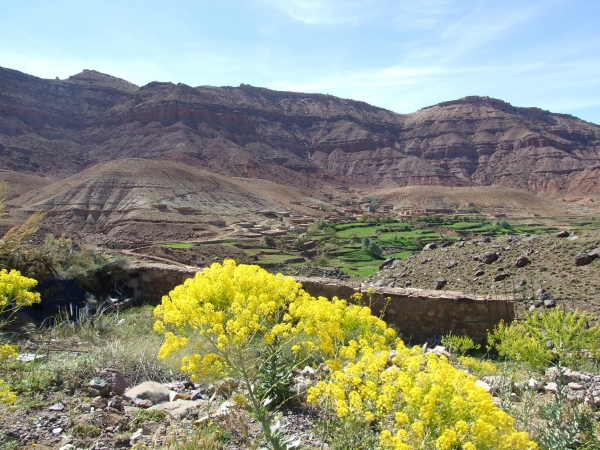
(85, 431)
(147, 415)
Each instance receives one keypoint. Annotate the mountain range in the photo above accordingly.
(91, 141)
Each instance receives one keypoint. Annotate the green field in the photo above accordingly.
(179, 245)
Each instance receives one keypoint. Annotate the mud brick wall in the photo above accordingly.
(417, 314)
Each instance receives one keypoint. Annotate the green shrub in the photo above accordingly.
(459, 344)
(550, 337)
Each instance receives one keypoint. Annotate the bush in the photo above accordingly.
(550, 337)
(239, 321)
(371, 247)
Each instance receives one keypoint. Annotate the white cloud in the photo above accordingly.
(313, 12)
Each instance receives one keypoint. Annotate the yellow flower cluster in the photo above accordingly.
(13, 288)
(419, 401)
(416, 400)
(6, 396)
(16, 288)
(229, 306)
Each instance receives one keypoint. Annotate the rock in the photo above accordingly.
(430, 246)
(549, 303)
(116, 380)
(227, 386)
(542, 294)
(203, 389)
(522, 261)
(386, 263)
(101, 385)
(552, 373)
(182, 409)
(479, 273)
(485, 239)
(451, 264)
(143, 403)
(308, 372)
(440, 283)
(149, 390)
(179, 396)
(99, 403)
(489, 258)
(484, 385)
(58, 406)
(576, 386)
(562, 234)
(439, 350)
(407, 283)
(447, 243)
(551, 387)
(582, 259)
(499, 384)
(56, 431)
(501, 276)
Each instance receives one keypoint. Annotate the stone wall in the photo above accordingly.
(417, 314)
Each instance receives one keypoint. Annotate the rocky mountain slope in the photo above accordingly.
(59, 127)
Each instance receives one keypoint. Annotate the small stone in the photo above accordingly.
(430, 246)
(479, 273)
(440, 283)
(551, 387)
(549, 303)
(501, 276)
(56, 431)
(58, 406)
(562, 234)
(99, 403)
(407, 283)
(576, 386)
(451, 264)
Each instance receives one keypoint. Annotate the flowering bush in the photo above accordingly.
(14, 294)
(228, 316)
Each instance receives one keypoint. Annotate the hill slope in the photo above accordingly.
(60, 127)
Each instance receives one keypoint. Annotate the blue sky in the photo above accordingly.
(397, 54)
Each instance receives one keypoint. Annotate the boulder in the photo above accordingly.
(582, 259)
(430, 246)
(479, 273)
(116, 380)
(149, 390)
(522, 261)
(501, 276)
(562, 234)
(489, 258)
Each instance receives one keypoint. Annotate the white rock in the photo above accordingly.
(551, 387)
(149, 390)
(484, 385)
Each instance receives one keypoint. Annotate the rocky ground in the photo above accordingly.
(105, 414)
(538, 271)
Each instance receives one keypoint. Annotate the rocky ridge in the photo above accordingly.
(59, 127)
